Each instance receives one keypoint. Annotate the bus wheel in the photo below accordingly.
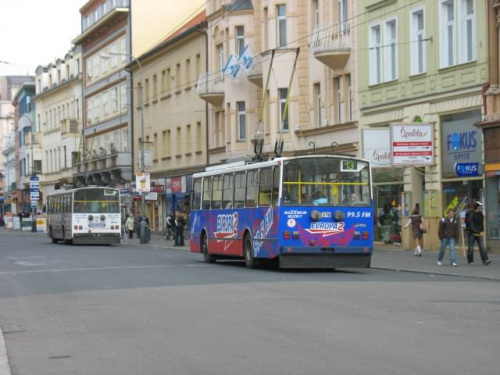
(208, 258)
(250, 261)
(52, 236)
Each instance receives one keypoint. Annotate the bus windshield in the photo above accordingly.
(326, 182)
(96, 201)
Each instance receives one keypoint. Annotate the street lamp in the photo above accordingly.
(107, 55)
(33, 180)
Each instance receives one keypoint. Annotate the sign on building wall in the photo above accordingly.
(176, 185)
(412, 144)
(143, 183)
(377, 146)
(461, 145)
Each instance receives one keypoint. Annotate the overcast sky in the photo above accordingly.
(36, 32)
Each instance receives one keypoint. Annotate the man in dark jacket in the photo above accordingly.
(448, 235)
(474, 221)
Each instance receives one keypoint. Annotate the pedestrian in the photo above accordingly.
(137, 221)
(180, 222)
(448, 235)
(474, 225)
(417, 227)
(130, 225)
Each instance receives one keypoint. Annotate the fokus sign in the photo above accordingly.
(412, 144)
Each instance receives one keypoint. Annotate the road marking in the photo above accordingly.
(101, 268)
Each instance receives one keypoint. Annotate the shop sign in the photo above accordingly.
(151, 196)
(461, 143)
(143, 183)
(176, 185)
(466, 169)
(412, 144)
(160, 189)
(377, 146)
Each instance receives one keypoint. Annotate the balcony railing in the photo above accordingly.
(102, 11)
(36, 137)
(211, 88)
(331, 44)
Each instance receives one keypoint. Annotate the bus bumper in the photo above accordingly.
(96, 239)
(312, 257)
(325, 261)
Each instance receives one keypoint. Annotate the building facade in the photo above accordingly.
(422, 64)
(9, 87)
(174, 124)
(491, 131)
(58, 118)
(27, 149)
(280, 79)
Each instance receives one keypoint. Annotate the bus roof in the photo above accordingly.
(66, 191)
(237, 167)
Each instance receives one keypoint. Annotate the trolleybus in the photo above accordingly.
(301, 212)
(88, 215)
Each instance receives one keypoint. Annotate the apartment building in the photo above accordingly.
(422, 67)
(27, 149)
(173, 126)
(115, 32)
(280, 78)
(490, 127)
(9, 85)
(58, 119)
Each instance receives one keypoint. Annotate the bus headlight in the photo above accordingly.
(315, 215)
(338, 216)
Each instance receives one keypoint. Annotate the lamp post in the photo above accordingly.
(107, 55)
(34, 185)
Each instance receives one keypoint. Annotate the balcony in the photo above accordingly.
(36, 137)
(330, 44)
(110, 11)
(103, 168)
(255, 73)
(69, 126)
(211, 88)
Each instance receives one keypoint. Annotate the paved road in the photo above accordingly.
(155, 309)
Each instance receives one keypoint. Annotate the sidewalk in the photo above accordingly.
(391, 257)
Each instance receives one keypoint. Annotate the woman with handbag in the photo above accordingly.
(417, 228)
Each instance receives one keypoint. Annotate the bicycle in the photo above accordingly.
(167, 233)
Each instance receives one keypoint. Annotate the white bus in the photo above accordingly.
(88, 215)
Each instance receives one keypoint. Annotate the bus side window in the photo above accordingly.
(207, 192)
(276, 185)
(196, 195)
(217, 192)
(252, 188)
(266, 186)
(228, 192)
(239, 190)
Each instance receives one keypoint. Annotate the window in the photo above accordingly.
(390, 50)
(315, 13)
(188, 72)
(240, 106)
(339, 99)
(417, 42)
(239, 190)
(447, 33)
(467, 32)
(207, 192)
(317, 104)
(240, 40)
(105, 103)
(283, 93)
(114, 99)
(252, 188)
(217, 192)
(375, 55)
(342, 15)
(281, 32)
(457, 38)
(195, 204)
(155, 87)
(350, 100)
(220, 57)
(266, 187)
(228, 192)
